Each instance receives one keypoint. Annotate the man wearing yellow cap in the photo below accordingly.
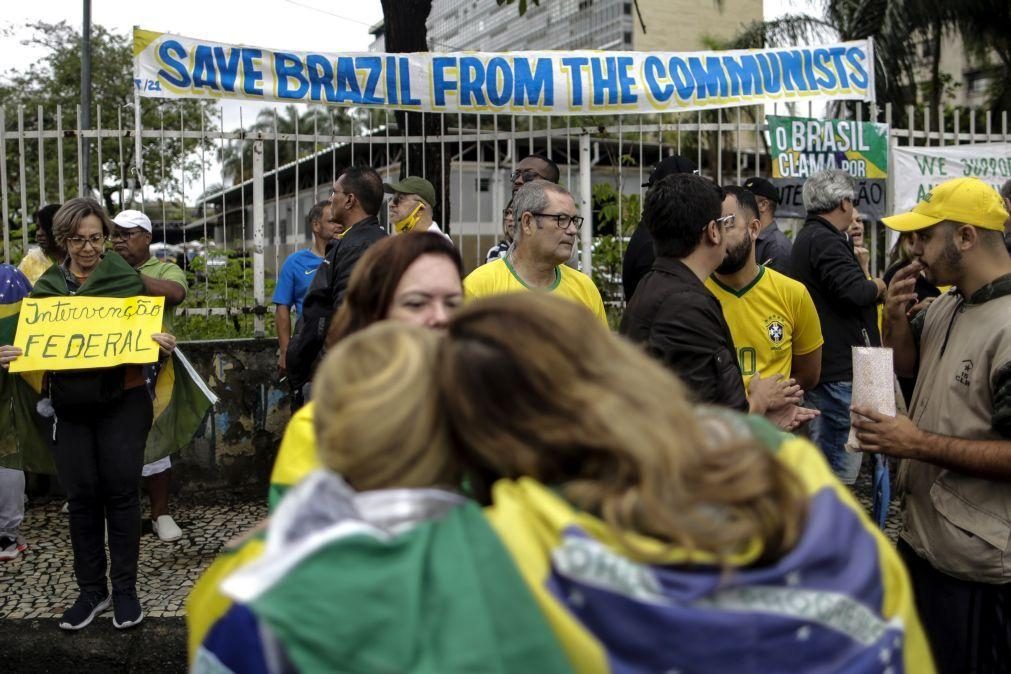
(956, 443)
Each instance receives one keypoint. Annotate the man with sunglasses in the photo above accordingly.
(131, 238)
(547, 224)
(534, 167)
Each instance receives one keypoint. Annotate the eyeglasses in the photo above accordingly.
(124, 234)
(562, 220)
(400, 197)
(527, 175)
(726, 221)
(78, 242)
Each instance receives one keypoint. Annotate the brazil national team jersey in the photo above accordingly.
(771, 320)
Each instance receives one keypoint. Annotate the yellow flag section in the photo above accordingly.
(79, 333)
(590, 585)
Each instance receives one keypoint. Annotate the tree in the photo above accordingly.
(404, 22)
(237, 160)
(55, 81)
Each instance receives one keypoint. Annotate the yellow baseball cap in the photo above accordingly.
(967, 200)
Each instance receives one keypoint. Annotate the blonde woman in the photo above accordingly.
(655, 535)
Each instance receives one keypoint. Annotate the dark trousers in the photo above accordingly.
(968, 624)
(98, 458)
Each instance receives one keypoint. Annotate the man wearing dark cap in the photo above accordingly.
(639, 255)
(772, 249)
(411, 205)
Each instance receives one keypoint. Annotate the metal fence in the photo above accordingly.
(236, 223)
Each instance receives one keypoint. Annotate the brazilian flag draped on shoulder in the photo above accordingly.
(181, 398)
(423, 580)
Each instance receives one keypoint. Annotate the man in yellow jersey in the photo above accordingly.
(547, 224)
(771, 317)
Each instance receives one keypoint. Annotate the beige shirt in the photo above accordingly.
(960, 524)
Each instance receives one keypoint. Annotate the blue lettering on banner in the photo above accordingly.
(575, 64)
(169, 53)
(681, 76)
(535, 87)
(440, 82)
(743, 75)
(405, 82)
(500, 82)
(769, 67)
(228, 67)
(792, 64)
(391, 80)
(251, 75)
(824, 76)
(626, 81)
(604, 83)
(320, 78)
(710, 78)
(471, 81)
(840, 68)
(373, 65)
(204, 74)
(347, 81)
(288, 67)
(857, 59)
(652, 69)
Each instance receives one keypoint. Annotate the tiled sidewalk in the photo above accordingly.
(40, 583)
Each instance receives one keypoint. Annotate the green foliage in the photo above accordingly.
(228, 285)
(609, 249)
(237, 160)
(55, 80)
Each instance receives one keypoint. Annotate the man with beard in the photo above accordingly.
(956, 444)
(679, 321)
(823, 260)
(771, 317)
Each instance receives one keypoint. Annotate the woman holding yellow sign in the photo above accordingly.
(97, 421)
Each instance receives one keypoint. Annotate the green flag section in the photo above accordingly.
(182, 399)
(422, 580)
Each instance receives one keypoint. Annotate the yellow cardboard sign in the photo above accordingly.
(80, 333)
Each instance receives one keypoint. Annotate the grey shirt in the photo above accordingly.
(772, 249)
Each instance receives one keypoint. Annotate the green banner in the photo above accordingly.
(801, 147)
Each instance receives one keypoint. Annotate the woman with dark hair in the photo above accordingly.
(411, 278)
(98, 425)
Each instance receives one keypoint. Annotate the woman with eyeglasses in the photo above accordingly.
(97, 422)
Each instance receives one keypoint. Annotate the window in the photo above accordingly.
(482, 184)
(628, 9)
(628, 38)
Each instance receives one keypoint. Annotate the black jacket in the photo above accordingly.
(681, 323)
(823, 260)
(324, 296)
(638, 260)
(772, 249)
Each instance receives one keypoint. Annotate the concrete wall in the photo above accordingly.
(239, 440)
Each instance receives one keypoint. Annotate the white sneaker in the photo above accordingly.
(166, 528)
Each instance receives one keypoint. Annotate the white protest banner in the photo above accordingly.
(535, 83)
(916, 170)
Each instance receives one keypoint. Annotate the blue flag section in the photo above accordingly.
(537, 83)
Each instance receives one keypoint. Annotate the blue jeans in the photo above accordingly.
(830, 430)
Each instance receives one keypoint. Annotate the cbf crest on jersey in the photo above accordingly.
(775, 328)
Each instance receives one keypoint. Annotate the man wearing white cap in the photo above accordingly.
(956, 443)
(131, 238)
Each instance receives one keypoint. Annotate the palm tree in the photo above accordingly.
(237, 157)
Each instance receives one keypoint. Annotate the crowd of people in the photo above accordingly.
(479, 472)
